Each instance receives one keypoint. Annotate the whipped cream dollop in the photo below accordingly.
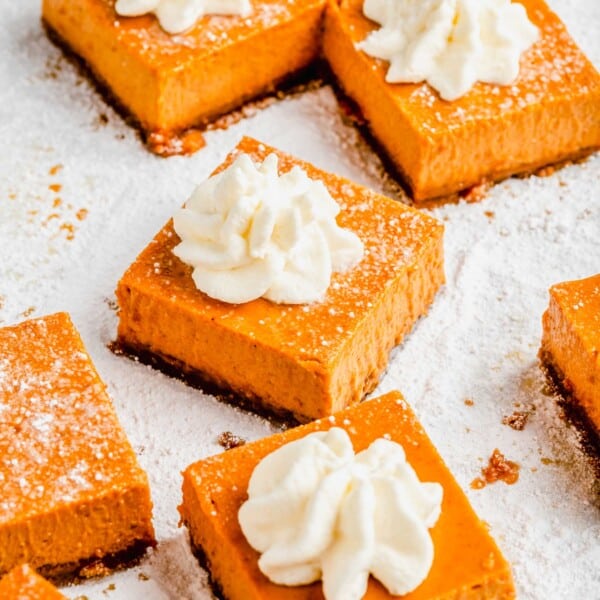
(249, 232)
(315, 510)
(176, 16)
(450, 44)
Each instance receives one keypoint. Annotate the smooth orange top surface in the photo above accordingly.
(553, 67)
(144, 36)
(23, 583)
(393, 234)
(60, 441)
(465, 555)
(579, 302)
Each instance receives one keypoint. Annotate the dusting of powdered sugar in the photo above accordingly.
(68, 154)
(59, 440)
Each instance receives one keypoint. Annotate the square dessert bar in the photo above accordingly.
(23, 583)
(467, 563)
(549, 115)
(571, 347)
(170, 83)
(304, 361)
(71, 491)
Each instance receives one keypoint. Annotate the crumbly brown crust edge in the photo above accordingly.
(471, 193)
(96, 566)
(172, 142)
(175, 368)
(574, 412)
(204, 562)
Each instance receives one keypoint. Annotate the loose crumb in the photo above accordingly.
(546, 171)
(498, 469)
(552, 461)
(96, 569)
(229, 440)
(70, 230)
(517, 420)
(112, 304)
(28, 312)
(475, 194)
(50, 217)
(55, 169)
(477, 483)
(469, 402)
(53, 67)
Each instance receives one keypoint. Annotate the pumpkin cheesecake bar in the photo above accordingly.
(305, 360)
(548, 115)
(466, 563)
(72, 493)
(23, 583)
(571, 347)
(171, 82)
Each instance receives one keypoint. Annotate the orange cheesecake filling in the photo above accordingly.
(467, 563)
(72, 490)
(305, 360)
(550, 114)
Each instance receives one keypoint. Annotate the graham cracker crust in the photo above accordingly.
(575, 414)
(172, 367)
(190, 140)
(92, 567)
(204, 563)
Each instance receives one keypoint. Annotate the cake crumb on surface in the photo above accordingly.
(517, 420)
(228, 440)
(498, 469)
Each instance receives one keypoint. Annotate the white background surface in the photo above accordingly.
(479, 341)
